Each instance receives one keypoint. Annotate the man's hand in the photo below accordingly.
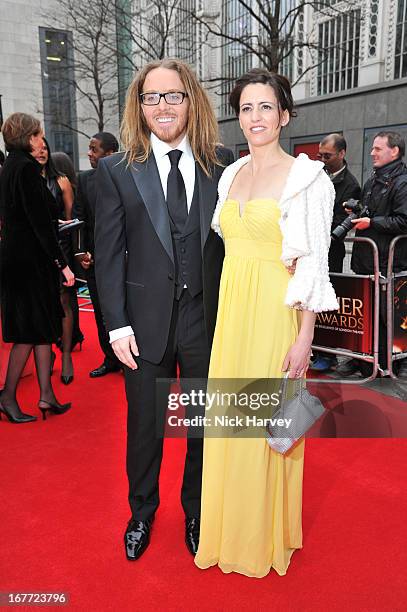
(347, 210)
(85, 260)
(362, 223)
(123, 349)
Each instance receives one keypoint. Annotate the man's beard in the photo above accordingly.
(167, 132)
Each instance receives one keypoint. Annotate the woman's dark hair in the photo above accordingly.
(63, 165)
(17, 131)
(50, 169)
(280, 85)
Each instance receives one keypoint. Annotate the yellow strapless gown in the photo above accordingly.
(251, 495)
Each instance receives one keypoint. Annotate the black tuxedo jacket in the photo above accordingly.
(84, 209)
(135, 270)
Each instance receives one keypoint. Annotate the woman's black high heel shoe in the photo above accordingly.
(53, 408)
(74, 343)
(67, 378)
(18, 417)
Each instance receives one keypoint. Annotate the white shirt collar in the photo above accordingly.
(337, 173)
(161, 149)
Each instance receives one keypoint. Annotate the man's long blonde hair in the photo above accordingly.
(202, 127)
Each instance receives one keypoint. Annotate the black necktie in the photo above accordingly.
(176, 195)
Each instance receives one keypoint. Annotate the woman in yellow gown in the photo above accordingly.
(274, 214)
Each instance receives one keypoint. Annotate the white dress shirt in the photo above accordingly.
(186, 166)
(332, 175)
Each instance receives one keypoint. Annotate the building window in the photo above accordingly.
(236, 60)
(58, 94)
(400, 58)
(157, 35)
(185, 32)
(288, 36)
(124, 50)
(338, 53)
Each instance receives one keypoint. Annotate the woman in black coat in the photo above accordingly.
(32, 262)
(62, 189)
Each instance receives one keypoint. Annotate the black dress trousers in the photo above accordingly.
(188, 346)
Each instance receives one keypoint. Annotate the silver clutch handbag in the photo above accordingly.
(300, 409)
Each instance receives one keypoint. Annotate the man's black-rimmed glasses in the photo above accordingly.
(171, 97)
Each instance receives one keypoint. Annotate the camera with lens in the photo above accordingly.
(358, 210)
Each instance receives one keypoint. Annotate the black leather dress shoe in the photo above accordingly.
(103, 370)
(192, 526)
(137, 538)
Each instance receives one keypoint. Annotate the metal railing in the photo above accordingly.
(391, 276)
(372, 357)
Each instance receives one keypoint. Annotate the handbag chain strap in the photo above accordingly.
(283, 391)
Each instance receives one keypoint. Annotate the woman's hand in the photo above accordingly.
(291, 268)
(69, 276)
(297, 359)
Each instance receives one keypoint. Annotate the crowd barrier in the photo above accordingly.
(396, 310)
(353, 331)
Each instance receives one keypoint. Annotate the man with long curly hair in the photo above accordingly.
(158, 267)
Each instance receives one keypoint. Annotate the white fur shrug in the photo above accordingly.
(306, 215)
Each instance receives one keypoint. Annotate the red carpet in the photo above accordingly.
(64, 509)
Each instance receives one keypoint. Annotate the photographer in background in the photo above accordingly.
(385, 196)
(332, 151)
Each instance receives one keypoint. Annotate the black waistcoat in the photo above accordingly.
(187, 251)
